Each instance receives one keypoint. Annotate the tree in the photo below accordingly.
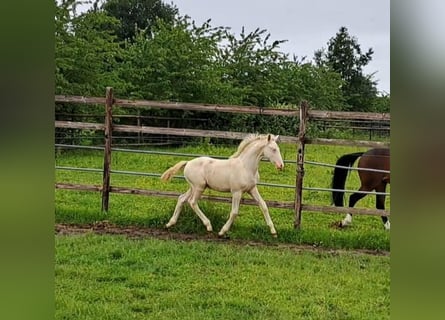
(252, 65)
(345, 56)
(87, 58)
(382, 103)
(177, 62)
(138, 14)
(87, 51)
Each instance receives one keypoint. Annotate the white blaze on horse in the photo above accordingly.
(237, 175)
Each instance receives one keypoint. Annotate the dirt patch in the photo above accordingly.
(135, 232)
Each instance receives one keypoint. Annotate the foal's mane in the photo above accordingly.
(247, 141)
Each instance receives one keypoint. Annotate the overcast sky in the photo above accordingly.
(307, 25)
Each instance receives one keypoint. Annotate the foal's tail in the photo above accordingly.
(167, 175)
(340, 175)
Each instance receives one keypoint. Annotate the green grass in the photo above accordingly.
(84, 207)
(113, 277)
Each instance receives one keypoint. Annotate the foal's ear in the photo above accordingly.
(269, 136)
(277, 139)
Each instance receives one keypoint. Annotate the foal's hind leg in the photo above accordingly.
(352, 201)
(193, 201)
(181, 200)
(380, 204)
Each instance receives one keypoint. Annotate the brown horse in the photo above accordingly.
(373, 159)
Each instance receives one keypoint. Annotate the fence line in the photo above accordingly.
(179, 154)
(346, 191)
(150, 174)
(213, 156)
(345, 167)
(314, 114)
(168, 194)
(304, 114)
(210, 134)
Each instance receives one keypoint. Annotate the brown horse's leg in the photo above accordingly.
(357, 196)
(380, 203)
(352, 201)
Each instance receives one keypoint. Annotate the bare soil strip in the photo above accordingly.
(134, 232)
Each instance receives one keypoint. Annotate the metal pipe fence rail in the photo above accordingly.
(303, 114)
(149, 174)
(345, 167)
(192, 155)
(179, 154)
(158, 175)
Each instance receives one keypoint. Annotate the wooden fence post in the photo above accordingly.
(107, 150)
(300, 163)
(139, 124)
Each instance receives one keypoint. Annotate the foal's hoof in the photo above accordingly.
(274, 235)
(223, 236)
(337, 225)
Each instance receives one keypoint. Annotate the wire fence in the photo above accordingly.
(194, 155)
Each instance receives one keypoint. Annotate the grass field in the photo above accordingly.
(114, 277)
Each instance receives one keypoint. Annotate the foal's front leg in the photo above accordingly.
(236, 198)
(262, 204)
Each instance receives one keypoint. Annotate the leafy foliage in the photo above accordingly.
(137, 15)
(175, 63)
(87, 51)
(382, 103)
(344, 55)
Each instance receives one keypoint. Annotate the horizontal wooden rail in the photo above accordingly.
(345, 142)
(333, 209)
(167, 194)
(313, 114)
(211, 134)
(181, 106)
(344, 115)
(270, 203)
(207, 107)
(80, 99)
(80, 187)
(79, 125)
(161, 130)
(175, 195)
